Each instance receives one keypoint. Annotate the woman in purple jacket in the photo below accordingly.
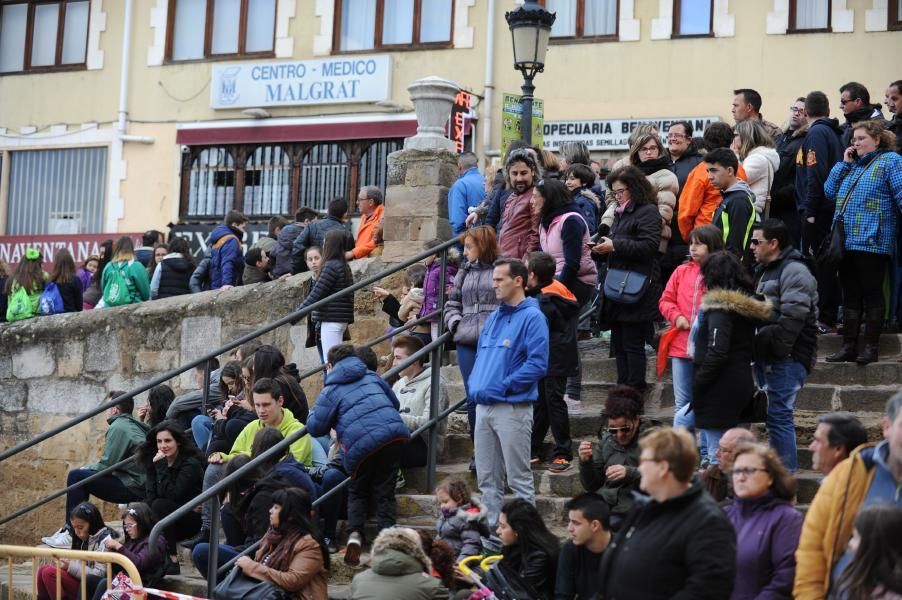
(152, 563)
(432, 283)
(767, 525)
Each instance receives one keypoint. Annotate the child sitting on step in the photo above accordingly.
(462, 520)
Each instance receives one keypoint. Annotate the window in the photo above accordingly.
(693, 18)
(894, 15)
(201, 29)
(370, 24)
(275, 179)
(584, 19)
(54, 189)
(809, 15)
(45, 35)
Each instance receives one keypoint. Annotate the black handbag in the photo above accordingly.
(833, 248)
(756, 410)
(624, 287)
(238, 586)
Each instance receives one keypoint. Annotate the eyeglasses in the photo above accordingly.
(128, 525)
(757, 242)
(648, 149)
(675, 136)
(616, 430)
(618, 193)
(795, 110)
(745, 471)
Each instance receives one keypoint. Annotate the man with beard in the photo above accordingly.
(518, 231)
(855, 102)
(893, 102)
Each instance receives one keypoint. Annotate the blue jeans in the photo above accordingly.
(336, 507)
(683, 370)
(201, 430)
(201, 554)
(710, 440)
(783, 380)
(108, 488)
(466, 358)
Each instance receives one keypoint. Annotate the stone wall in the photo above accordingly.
(54, 368)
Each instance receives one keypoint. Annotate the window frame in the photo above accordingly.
(208, 35)
(415, 44)
(297, 152)
(60, 37)
(579, 38)
(677, 6)
(893, 16)
(791, 25)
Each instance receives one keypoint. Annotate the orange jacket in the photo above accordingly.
(699, 199)
(366, 243)
(556, 287)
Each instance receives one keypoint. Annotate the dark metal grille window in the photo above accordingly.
(276, 179)
(267, 181)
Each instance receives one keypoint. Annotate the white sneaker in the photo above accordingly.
(574, 407)
(61, 539)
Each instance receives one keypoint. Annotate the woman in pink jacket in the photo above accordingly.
(679, 304)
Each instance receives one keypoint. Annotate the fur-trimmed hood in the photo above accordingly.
(395, 549)
(739, 303)
(471, 512)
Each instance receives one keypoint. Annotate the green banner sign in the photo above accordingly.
(512, 121)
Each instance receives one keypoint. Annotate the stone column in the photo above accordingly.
(419, 177)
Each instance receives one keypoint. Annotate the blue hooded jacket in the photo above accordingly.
(511, 355)
(227, 260)
(468, 191)
(361, 408)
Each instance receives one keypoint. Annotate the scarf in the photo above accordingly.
(654, 165)
(279, 548)
(622, 207)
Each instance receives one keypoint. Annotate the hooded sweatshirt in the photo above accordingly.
(561, 310)
(301, 449)
(761, 165)
(820, 150)
(735, 217)
(682, 297)
(122, 438)
(512, 355)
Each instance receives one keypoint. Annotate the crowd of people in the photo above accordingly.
(728, 254)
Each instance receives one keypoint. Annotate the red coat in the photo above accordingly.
(682, 296)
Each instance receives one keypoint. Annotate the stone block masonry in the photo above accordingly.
(54, 368)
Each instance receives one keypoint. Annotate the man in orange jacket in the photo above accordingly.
(699, 198)
(369, 238)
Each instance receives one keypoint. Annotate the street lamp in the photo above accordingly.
(530, 27)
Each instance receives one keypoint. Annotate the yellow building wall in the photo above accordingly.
(645, 78)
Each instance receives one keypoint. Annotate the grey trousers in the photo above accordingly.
(212, 475)
(502, 444)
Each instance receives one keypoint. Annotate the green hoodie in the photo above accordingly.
(399, 576)
(123, 437)
(135, 273)
(301, 449)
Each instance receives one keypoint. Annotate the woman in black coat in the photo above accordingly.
(632, 246)
(67, 281)
(724, 340)
(530, 550)
(174, 470)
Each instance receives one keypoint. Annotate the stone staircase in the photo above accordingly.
(830, 387)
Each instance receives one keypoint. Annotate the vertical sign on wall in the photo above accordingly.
(512, 117)
(459, 111)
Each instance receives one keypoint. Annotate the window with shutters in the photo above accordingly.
(45, 35)
(362, 25)
(586, 20)
(202, 29)
(809, 16)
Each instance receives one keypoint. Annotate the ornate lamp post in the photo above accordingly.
(530, 27)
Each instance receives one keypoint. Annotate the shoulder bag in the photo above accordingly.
(624, 287)
(238, 586)
(833, 248)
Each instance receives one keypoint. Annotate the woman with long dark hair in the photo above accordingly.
(124, 279)
(94, 292)
(875, 572)
(23, 288)
(724, 342)
(530, 550)
(333, 318)
(292, 555)
(171, 276)
(632, 246)
(564, 234)
(218, 430)
(159, 399)
(67, 281)
(174, 470)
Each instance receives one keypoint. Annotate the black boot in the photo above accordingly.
(849, 350)
(873, 328)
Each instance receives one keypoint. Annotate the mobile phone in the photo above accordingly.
(854, 154)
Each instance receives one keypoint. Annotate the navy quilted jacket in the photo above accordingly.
(361, 408)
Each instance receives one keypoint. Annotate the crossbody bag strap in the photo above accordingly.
(845, 203)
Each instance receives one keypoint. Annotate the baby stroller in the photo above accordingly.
(493, 579)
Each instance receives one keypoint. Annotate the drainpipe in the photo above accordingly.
(489, 82)
(123, 80)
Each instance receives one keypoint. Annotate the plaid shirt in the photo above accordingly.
(872, 212)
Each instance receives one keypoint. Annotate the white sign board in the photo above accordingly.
(301, 82)
(611, 134)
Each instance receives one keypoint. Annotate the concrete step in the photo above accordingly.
(890, 344)
(883, 373)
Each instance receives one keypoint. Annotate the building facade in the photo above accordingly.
(125, 115)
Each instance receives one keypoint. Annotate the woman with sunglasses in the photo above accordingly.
(609, 467)
(767, 525)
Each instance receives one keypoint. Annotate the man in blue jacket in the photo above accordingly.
(821, 150)
(363, 410)
(227, 257)
(467, 192)
(511, 358)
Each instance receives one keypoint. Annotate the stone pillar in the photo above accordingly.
(419, 177)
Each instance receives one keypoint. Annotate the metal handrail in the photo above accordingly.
(109, 558)
(430, 425)
(291, 317)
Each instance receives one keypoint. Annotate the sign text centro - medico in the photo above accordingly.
(612, 134)
(304, 82)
